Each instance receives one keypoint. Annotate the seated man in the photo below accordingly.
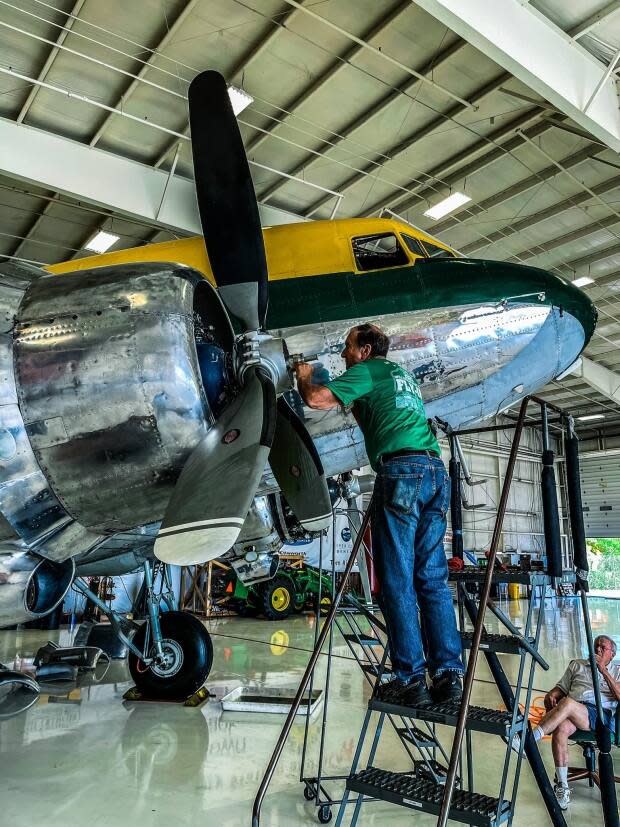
(571, 706)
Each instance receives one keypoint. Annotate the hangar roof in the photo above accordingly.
(358, 106)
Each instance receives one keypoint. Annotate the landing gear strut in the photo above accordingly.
(170, 653)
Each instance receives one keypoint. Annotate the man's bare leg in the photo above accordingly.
(566, 709)
(561, 722)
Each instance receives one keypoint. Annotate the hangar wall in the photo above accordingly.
(487, 458)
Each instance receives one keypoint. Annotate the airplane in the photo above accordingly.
(148, 404)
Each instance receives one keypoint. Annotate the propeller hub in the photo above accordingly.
(270, 353)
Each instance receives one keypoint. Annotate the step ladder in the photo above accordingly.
(449, 792)
(414, 789)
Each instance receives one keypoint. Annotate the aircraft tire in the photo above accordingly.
(189, 656)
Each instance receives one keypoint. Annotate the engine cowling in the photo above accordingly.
(30, 586)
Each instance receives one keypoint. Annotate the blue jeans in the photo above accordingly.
(408, 522)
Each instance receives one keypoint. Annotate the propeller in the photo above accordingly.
(227, 202)
(216, 487)
(298, 470)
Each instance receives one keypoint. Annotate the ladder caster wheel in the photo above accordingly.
(325, 814)
(308, 793)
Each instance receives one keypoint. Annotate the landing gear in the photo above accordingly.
(170, 654)
(185, 659)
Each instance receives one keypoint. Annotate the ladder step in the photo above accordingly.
(505, 644)
(363, 640)
(426, 796)
(512, 574)
(479, 718)
(415, 736)
(373, 669)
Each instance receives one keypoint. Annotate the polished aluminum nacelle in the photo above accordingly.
(109, 386)
(31, 586)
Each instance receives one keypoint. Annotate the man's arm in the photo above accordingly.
(315, 396)
(552, 697)
(613, 684)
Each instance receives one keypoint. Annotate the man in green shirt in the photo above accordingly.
(410, 502)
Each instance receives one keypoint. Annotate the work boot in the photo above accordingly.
(416, 693)
(447, 687)
(390, 691)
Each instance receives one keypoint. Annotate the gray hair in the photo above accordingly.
(614, 648)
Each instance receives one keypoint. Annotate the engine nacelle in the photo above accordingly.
(270, 523)
(30, 586)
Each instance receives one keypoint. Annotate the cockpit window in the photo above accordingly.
(433, 251)
(414, 245)
(373, 252)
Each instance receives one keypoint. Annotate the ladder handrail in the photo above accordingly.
(477, 635)
(275, 757)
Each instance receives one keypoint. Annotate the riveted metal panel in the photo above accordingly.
(109, 388)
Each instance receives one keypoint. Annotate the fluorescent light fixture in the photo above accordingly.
(239, 99)
(101, 242)
(581, 282)
(589, 417)
(457, 199)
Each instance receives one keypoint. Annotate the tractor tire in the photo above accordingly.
(278, 597)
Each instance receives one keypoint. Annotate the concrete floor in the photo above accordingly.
(85, 757)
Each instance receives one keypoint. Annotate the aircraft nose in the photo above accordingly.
(462, 281)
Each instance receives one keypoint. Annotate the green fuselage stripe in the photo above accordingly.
(428, 284)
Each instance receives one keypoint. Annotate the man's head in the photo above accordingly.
(366, 341)
(606, 648)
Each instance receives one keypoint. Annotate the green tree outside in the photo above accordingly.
(604, 561)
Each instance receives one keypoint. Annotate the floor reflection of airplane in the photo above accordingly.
(143, 392)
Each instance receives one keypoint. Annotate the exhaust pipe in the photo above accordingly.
(31, 586)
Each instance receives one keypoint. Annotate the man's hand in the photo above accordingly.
(303, 371)
(600, 665)
(553, 697)
(315, 396)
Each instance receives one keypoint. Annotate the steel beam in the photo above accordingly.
(146, 67)
(477, 158)
(248, 57)
(406, 88)
(105, 180)
(337, 65)
(600, 378)
(595, 19)
(534, 50)
(74, 13)
(542, 215)
(424, 132)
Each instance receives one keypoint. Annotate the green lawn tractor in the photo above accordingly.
(293, 589)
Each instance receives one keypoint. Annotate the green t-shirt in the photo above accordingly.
(388, 405)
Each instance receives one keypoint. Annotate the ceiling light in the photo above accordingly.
(101, 242)
(239, 99)
(457, 199)
(589, 417)
(581, 282)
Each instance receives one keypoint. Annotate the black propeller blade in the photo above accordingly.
(227, 202)
(217, 485)
(298, 470)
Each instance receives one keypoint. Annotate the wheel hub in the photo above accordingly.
(280, 599)
(171, 660)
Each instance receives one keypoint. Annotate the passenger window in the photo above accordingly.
(437, 252)
(373, 252)
(414, 245)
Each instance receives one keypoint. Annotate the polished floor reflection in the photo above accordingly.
(82, 756)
